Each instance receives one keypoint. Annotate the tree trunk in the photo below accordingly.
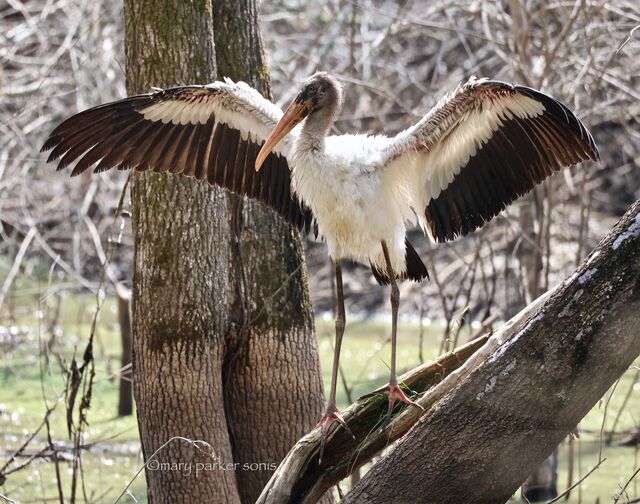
(224, 348)
(489, 423)
(542, 484)
(273, 385)
(125, 395)
(530, 248)
(181, 288)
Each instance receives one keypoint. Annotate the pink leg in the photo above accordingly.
(332, 414)
(394, 392)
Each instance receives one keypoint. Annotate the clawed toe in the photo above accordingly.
(395, 394)
(332, 415)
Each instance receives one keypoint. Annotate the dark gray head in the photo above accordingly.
(323, 92)
(319, 100)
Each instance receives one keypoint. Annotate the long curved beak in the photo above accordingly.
(296, 112)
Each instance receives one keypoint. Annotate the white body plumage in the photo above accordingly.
(354, 206)
(361, 193)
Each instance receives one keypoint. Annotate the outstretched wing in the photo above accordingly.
(211, 132)
(481, 147)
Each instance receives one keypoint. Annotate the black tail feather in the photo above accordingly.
(416, 270)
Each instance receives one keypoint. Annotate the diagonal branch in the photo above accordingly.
(510, 409)
(300, 479)
(498, 412)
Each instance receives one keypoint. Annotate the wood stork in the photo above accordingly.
(483, 145)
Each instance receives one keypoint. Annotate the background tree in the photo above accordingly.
(180, 310)
(220, 302)
(125, 394)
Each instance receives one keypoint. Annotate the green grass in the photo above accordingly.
(115, 459)
(116, 456)
(366, 352)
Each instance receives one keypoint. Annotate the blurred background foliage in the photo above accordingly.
(396, 59)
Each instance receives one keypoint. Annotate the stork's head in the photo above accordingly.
(320, 96)
(321, 92)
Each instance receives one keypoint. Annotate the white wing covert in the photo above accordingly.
(211, 132)
(481, 147)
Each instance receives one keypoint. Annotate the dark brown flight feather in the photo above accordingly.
(117, 135)
(519, 155)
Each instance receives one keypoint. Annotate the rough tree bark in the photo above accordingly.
(273, 385)
(481, 440)
(180, 287)
(489, 423)
(221, 315)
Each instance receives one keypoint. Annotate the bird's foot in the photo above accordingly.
(332, 415)
(395, 394)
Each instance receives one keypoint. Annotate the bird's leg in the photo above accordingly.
(332, 414)
(394, 392)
